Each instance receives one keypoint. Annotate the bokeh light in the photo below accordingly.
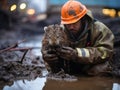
(13, 7)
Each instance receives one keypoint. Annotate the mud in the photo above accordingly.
(113, 24)
(61, 75)
(11, 68)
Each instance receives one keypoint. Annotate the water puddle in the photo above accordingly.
(84, 83)
(35, 42)
(36, 84)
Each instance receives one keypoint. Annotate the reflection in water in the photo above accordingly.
(36, 84)
(116, 86)
(35, 42)
(84, 83)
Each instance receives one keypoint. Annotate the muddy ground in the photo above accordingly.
(16, 65)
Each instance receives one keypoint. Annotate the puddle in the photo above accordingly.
(42, 83)
(36, 84)
(84, 83)
(36, 43)
(116, 86)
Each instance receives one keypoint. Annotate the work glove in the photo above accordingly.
(67, 53)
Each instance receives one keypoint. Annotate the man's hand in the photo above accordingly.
(67, 53)
(49, 57)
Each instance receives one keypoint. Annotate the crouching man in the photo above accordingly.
(93, 42)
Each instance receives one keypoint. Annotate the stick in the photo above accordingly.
(23, 56)
(13, 46)
(22, 49)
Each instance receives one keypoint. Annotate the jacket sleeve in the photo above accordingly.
(102, 40)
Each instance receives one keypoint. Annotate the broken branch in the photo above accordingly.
(12, 46)
(23, 56)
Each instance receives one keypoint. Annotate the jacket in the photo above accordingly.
(95, 44)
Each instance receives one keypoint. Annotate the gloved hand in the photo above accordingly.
(52, 59)
(49, 57)
(67, 53)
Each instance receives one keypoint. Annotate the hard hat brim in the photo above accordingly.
(74, 19)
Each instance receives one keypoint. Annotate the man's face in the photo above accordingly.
(74, 27)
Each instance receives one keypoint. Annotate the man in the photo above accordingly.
(93, 41)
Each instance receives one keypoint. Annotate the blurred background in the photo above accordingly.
(25, 19)
(35, 14)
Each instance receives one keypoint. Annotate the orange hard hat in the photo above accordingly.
(72, 11)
